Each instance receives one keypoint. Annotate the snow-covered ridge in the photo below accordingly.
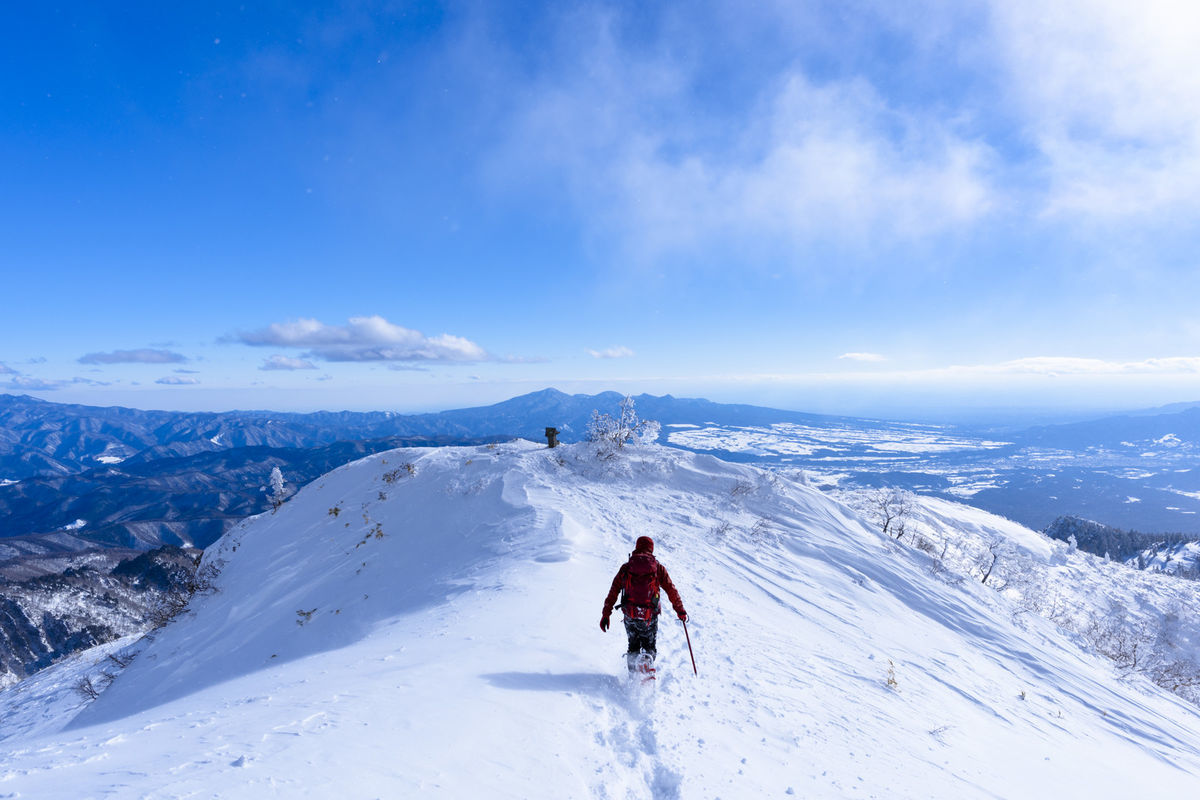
(424, 623)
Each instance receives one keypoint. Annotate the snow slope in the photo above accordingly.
(425, 624)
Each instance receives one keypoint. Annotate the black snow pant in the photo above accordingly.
(643, 633)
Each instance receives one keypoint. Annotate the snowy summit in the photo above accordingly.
(424, 623)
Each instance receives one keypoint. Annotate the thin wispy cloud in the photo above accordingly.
(1087, 110)
(278, 362)
(29, 383)
(6, 370)
(612, 352)
(1031, 367)
(142, 356)
(1052, 365)
(177, 380)
(1111, 98)
(364, 339)
(35, 384)
(816, 162)
(867, 358)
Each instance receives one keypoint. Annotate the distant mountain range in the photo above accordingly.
(129, 478)
(1170, 427)
(75, 476)
(41, 438)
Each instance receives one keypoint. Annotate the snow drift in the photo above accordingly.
(425, 623)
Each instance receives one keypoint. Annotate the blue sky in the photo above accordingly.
(844, 207)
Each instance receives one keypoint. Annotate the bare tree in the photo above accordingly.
(90, 689)
(892, 509)
(87, 688)
(987, 561)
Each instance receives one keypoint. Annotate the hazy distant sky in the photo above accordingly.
(844, 206)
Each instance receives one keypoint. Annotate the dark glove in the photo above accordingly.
(604, 623)
(683, 616)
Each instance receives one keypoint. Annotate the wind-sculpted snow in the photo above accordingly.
(425, 623)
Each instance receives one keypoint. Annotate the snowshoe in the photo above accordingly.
(641, 666)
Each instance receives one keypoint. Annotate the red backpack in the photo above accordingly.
(640, 598)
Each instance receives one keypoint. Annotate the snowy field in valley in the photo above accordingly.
(858, 440)
(1018, 475)
(424, 623)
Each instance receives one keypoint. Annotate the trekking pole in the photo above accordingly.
(690, 653)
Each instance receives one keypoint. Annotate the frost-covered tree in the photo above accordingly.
(613, 433)
(277, 493)
(1145, 623)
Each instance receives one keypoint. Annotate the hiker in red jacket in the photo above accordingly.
(638, 582)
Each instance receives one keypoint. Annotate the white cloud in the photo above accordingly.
(32, 384)
(35, 384)
(813, 163)
(177, 380)
(1075, 110)
(364, 339)
(611, 352)
(864, 357)
(142, 356)
(6, 370)
(278, 362)
(1036, 367)
(1110, 90)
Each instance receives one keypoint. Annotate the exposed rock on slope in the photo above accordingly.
(46, 618)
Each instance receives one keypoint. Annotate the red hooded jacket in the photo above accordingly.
(644, 545)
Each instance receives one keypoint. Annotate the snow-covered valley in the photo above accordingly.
(424, 623)
(1032, 476)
